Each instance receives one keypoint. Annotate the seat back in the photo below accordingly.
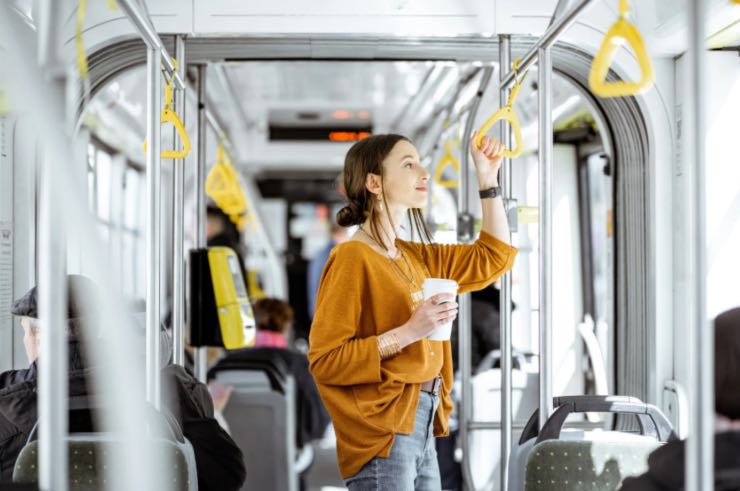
(261, 418)
(578, 464)
(87, 462)
(553, 458)
(88, 449)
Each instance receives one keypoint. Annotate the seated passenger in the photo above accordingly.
(274, 322)
(219, 461)
(667, 464)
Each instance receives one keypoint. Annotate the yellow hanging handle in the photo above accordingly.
(506, 113)
(447, 160)
(621, 32)
(170, 116)
(222, 186)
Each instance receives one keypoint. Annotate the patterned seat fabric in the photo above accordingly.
(585, 465)
(87, 464)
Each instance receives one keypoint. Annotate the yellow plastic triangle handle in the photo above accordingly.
(620, 32)
(506, 113)
(170, 116)
(447, 160)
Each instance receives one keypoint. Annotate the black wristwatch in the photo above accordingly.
(490, 192)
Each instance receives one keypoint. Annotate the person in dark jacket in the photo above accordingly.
(219, 461)
(666, 465)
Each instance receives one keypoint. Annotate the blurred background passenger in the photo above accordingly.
(274, 324)
(316, 265)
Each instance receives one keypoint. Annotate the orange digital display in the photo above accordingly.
(348, 136)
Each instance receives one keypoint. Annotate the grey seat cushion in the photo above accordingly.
(585, 465)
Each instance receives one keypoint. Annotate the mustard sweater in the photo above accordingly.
(362, 295)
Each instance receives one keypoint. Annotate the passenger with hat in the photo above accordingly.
(219, 461)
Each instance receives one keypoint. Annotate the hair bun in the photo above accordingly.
(350, 215)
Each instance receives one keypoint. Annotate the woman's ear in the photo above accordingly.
(373, 184)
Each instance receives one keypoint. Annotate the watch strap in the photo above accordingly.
(490, 192)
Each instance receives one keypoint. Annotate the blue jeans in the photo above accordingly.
(412, 464)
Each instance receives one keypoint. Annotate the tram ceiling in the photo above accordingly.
(379, 88)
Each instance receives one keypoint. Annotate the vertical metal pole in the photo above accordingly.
(153, 178)
(545, 231)
(53, 378)
(48, 18)
(700, 452)
(200, 199)
(178, 266)
(504, 57)
(465, 234)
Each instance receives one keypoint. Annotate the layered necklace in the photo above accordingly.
(415, 290)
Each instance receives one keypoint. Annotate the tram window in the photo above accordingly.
(131, 198)
(115, 197)
(103, 182)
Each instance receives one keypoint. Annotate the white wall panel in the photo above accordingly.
(396, 17)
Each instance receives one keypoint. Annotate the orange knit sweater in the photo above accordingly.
(362, 295)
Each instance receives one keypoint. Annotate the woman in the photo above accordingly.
(274, 322)
(387, 387)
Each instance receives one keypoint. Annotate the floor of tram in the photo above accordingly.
(323, 475)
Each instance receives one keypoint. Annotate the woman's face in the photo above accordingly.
(405, 181)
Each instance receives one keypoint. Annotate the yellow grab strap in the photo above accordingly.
(621, 32)
(508, 114)
(222, 186)
(170, 116)
(81, 56)
(447, 160)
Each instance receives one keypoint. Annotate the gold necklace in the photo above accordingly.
(415, 291)
(411, 280)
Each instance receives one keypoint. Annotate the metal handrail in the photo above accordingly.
(178, 259)
(548, 39)
(465, 234)
(544, 89)
(506, 285)
(200, 199)
(541, 48)
(153, 242)
(148, 33)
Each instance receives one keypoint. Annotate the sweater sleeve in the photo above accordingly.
(337, 354)
(473, 266)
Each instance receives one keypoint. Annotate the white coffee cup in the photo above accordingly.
(435, 286)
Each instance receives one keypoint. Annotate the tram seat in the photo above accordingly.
(88, 450)
(567, 460)
(261, 418)
(485, 445)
